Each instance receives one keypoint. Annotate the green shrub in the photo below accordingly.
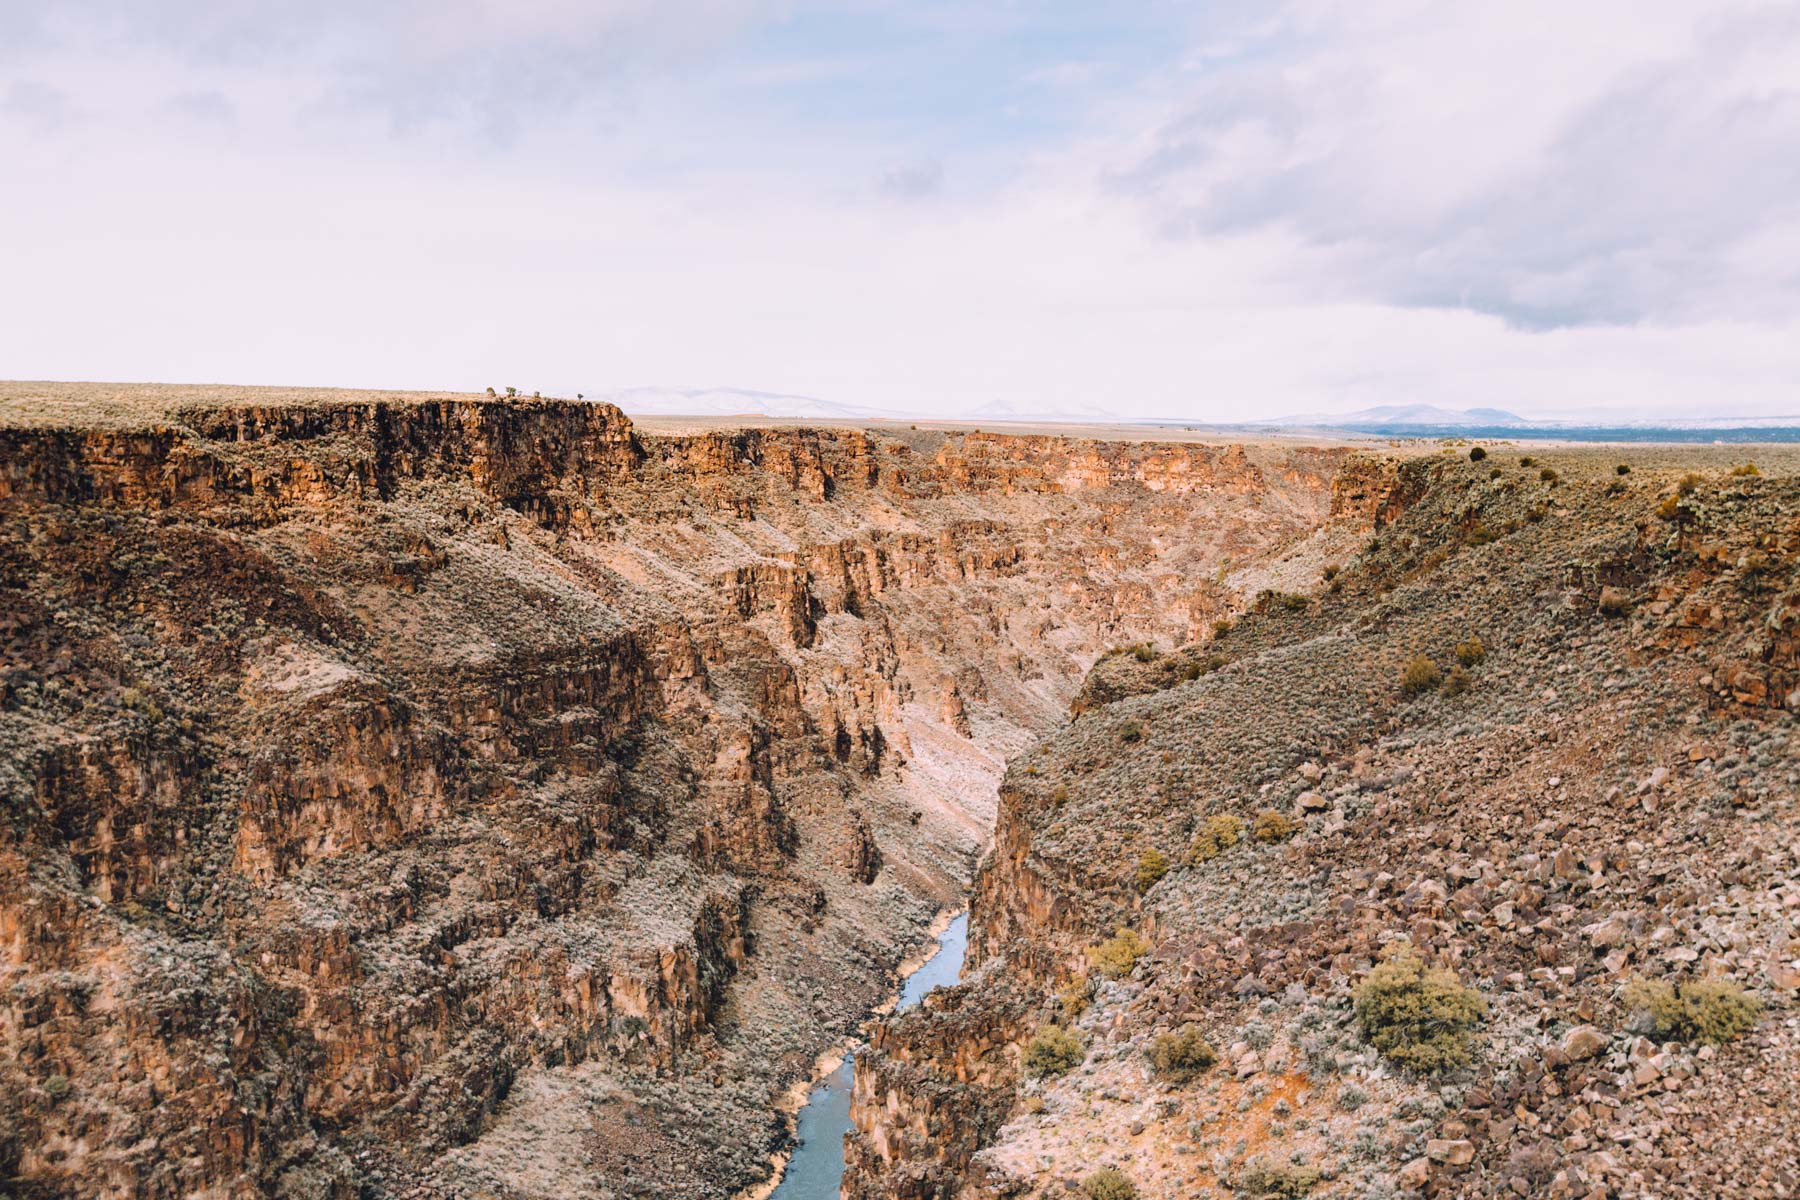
(1480, 535)
(57, 1088)
(1527, 461)
(1076, 995)
(1152, 865)
(1458, 680)
(1420, 676)
(1108, 1183)
(1548, 475)
(1182, 1056)
(1220, 628)
(1622, 469)
(1706, 1009)
(1264, 1177)
(1052, 1050)
(1421, 1017)
(1117, 955)
(1271, 826)
(1219, 833)
(1131, 731)
(1472, 652)
(1476, 454)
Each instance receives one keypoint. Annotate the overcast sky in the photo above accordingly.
(1211, 210)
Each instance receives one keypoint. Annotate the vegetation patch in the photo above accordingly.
(1420, 675)
(1271, 827)
(1708, 1009)
(1263, 1177)
(1152, 865)
(1118, 955)
(1052, 1050)
(1420, 1017)
(1219, 833)
(1182, 1056)
(1108, 1183)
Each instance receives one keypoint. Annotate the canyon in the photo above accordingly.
(444, 795)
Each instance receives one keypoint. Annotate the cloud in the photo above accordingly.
(40, 105)
(1553, 166)
(913, 182)
(1261, 209)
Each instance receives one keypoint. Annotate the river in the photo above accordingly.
(817, 1166)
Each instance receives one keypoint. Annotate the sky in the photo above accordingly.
(1215, 211)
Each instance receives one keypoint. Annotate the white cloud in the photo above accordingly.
(1322, 205)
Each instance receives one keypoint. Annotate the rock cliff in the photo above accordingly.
(447, 796)
(1526, 720)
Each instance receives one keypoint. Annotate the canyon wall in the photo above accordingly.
(1530, 718)
(451, 796)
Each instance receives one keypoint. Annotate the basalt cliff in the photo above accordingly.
(413, 795)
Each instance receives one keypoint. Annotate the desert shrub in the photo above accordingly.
(1350, 1097)
(1476, 454)
(1622, 469)
(1131, 731)
(1707, 1009)
(1420, 1017)
(1495, 472)
(1052, 1050)
(1271, 826)
(1108, 1183)
(1152, 865)
(1076, 995)
(57, 1088)
(1183, 1055)
(1420, 676)
(490, 391)
(1614, 603)
(1527, 461)
(1472, 652)
(1270, 600)
(1117, 955)
(512, 391)
(1479, 534)
(1748, 469)
(1689, 484)
(1264, 1177)
(1144, 652)
(1331, 571)
(1549, 475)
(1034, 1105)
(1670, 509)
(1220, 628)
(1458, 680)
(1219, 833)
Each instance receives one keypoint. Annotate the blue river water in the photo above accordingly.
(817, 1168)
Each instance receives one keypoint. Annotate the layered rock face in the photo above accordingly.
(447, 796)
(1585, 797)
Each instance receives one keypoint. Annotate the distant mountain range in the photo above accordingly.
(1390, 420)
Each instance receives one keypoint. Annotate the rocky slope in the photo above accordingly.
(1603, 792)
(443, 796)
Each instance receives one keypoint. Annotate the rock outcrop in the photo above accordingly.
(420, 796)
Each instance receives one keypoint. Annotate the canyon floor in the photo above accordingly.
(434, 795)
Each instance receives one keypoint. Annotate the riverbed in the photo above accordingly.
(817, 1166)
